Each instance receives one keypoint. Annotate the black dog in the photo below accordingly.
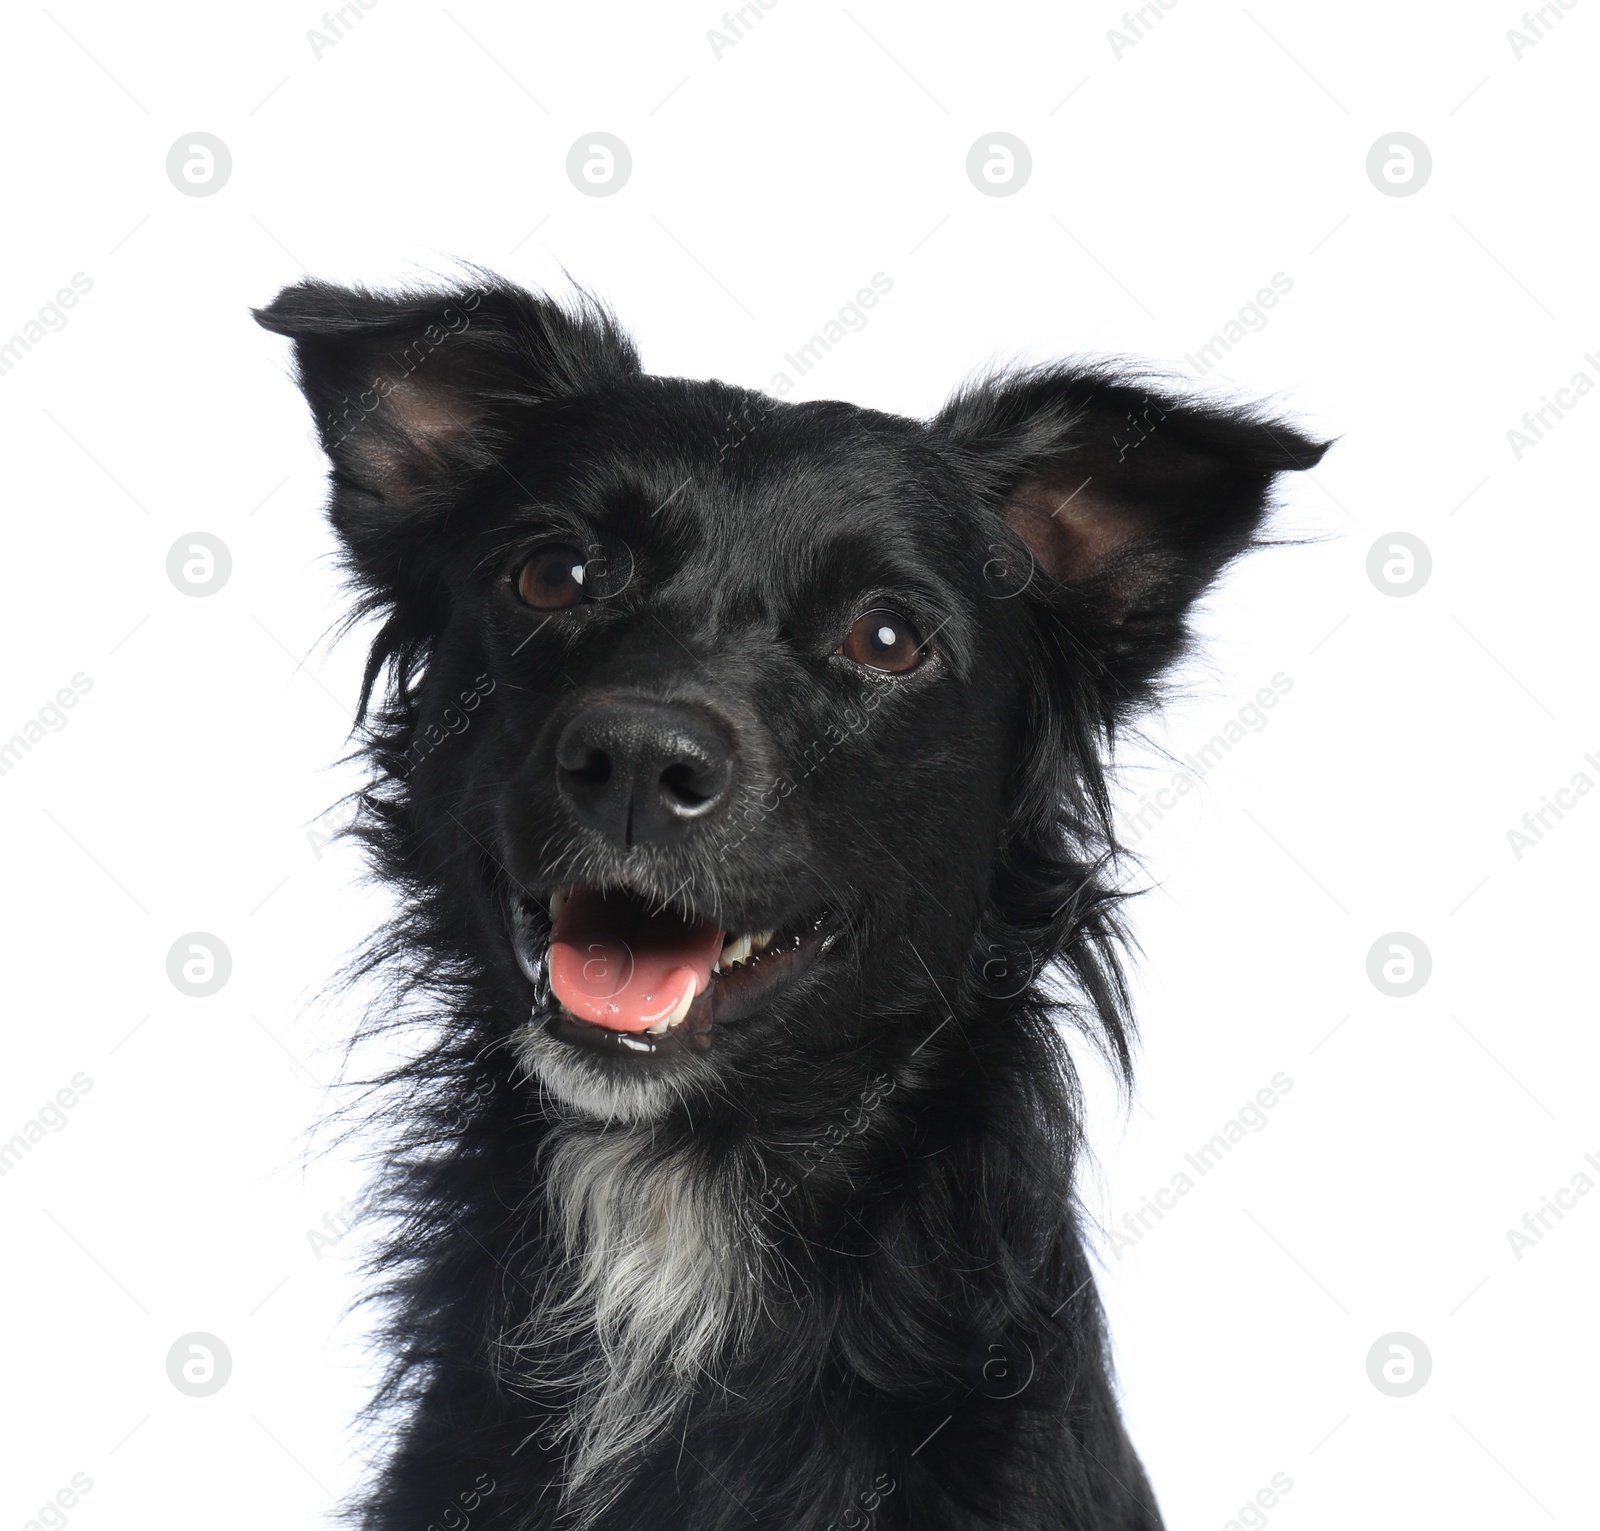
(741, 764)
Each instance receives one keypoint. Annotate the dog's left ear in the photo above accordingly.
(1129, 499)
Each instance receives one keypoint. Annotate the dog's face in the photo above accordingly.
(722, 719)
(751, 717)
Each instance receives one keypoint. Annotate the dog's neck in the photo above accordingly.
(658, 1278)
(665, 1265)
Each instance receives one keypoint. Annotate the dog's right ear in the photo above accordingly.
(410, 388)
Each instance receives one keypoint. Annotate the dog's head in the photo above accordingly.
(730, 736)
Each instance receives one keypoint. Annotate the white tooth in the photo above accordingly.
(761, 942)
(681, 1010)
(557, 899)
(735, 951)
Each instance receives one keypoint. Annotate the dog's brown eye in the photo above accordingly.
(552, 580)
(884, 640)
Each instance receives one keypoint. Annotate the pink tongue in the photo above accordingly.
(616, 965)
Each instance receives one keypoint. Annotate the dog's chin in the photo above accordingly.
(592, 1086)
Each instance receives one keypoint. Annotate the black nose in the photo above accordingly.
(639, 771)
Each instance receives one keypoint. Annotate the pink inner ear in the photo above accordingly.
(429, 416)
(1072, 531)
(414, 424)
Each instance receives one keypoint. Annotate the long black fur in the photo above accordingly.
(893, 1140)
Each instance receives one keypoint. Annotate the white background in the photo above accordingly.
(1171, 180)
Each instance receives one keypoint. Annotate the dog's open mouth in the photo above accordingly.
(631, 976)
